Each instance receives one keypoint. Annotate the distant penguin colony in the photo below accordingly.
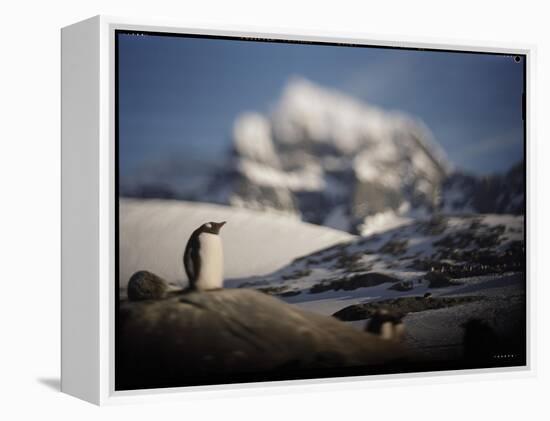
(388, 325)
(203, 257)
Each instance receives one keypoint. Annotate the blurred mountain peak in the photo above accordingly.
(333, 160)
(325, 155)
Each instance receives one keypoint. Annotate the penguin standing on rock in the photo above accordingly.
(203, 257)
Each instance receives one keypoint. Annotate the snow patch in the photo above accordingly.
(153, 235)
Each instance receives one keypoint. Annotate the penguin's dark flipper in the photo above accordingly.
(191, 260)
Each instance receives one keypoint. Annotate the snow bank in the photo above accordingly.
(153, 235)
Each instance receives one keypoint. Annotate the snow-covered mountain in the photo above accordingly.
(332, 160)
(502, 193)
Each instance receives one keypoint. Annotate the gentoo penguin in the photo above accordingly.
(388, 325)
(203, 257)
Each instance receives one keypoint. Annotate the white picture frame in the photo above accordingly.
(88, 212)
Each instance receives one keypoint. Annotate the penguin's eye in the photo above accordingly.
(209, 225)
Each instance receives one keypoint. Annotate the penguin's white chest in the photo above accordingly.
(211, 255)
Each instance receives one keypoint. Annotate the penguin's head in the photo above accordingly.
(212, 227)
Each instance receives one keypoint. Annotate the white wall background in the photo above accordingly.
(29, 221)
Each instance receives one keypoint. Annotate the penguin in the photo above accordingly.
(203, 257)
(386, 324)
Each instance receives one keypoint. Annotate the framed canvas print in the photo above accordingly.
(243, 208)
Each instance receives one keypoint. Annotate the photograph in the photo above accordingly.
(291, 209)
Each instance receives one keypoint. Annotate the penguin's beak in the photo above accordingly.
(221, 224)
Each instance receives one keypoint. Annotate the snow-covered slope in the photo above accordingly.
(440, 274)
(153, 235)
(412, 259)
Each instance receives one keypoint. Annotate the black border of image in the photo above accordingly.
(325, 373)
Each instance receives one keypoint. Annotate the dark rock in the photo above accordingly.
(354, 312)
(477, 235)
(290, 293)
(402, 286)
(351, 262)
(439, 280)
(435, 226)
(281, 291)
(144, 285)
(204, 337)
(350, 283)
(394, 247)
(401, 305)
(297, 274)
(270, 290)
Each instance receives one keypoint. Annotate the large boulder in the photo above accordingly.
(236, 335)
(145, 285)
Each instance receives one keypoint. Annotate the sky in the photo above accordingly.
(179, 96)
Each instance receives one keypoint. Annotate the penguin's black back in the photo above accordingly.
(191, 257)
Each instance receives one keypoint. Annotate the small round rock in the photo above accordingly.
(144, 285)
